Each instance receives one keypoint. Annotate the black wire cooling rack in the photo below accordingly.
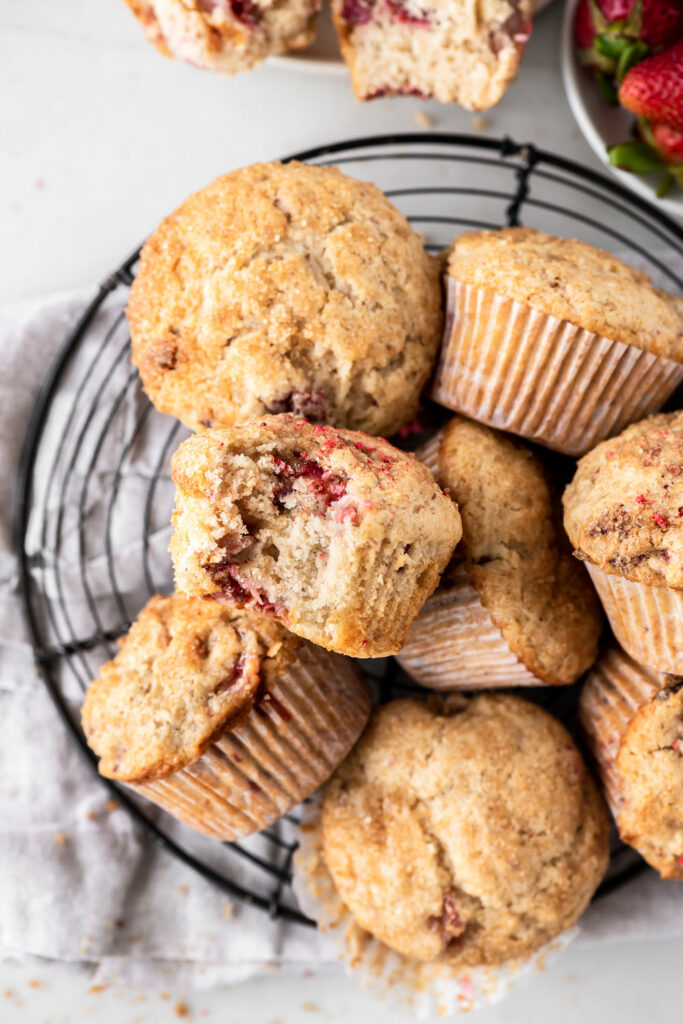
(94, 494)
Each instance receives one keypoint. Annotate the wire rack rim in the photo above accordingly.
(523, 159)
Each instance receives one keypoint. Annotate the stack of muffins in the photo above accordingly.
(290, 316)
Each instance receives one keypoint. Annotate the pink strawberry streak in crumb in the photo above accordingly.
(403, 16)
(659, 519)
(680, 861)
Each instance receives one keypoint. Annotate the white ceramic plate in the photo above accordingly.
(323, 54)
(602, 125)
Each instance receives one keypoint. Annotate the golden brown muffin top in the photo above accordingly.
(286, 288)
(623, 510)
(572, 281)
(464, 830)
(340, 534)
(186, 670)
(650, 762)
(516, 551)
(633, 717)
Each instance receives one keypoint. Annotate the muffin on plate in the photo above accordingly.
(554, 339)
(457, 834)
(339, 535)
(514, 608)
(623, 512)
(633, 719)
(456, 52)
(226, 35)
(221, 716)
(286, 288)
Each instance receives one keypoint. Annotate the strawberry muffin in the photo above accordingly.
(339, 535)
(633, 719)
(553, 339)
(623, 512)
(514, 608)
(286, 288)
(456, 52)
(457, 834)
(221, 716)
(226, 35)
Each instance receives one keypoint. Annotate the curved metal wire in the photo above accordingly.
(69, 460)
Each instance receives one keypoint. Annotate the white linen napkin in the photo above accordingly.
(79, 882)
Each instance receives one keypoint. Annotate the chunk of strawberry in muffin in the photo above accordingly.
(456, 52)
(339, 535)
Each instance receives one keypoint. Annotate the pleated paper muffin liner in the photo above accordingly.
(428, 454)
(455, 644)
(647, 621)
(415, 988)
(615, 690)
(546, 379)
(289, 744)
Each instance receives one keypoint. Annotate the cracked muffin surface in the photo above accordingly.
(464, 830)
(516, 552)
(339, 535)
(186, 669)
(286, 288)
(226, 35)
(623, 511)
(572, 281)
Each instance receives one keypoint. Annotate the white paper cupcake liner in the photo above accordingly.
(411, 987)
(647, 621)
(288, 745)
(454, 643)
(616, 688)
(428, 454)
(529, 373)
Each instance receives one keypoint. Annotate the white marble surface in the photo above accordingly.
(99, 137)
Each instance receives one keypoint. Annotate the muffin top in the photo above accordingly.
(646, 749)
(650, 763)
(623, 510)
(187, 670)
(468, 830)
(516, 551)
(572, 281)
(286, 288)
(337, 533)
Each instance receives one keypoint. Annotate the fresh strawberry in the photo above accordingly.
(657, 149)
(653, 89)
(613, 35)
(668, 142)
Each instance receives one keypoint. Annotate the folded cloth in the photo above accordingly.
(79, 881)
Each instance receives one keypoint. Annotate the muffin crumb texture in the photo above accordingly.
(455, 52)
(468, 831)
(623, 511)
(286, 288)
(339, 535)
(226, 36)
(572, 281)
